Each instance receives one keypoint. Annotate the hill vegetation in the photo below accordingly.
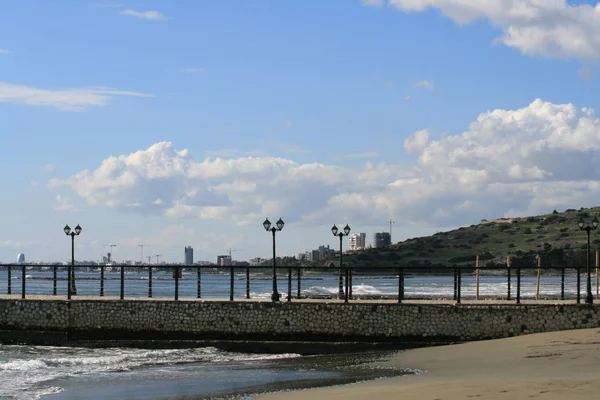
(555, 237)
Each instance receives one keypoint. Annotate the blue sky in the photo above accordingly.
(220, 113)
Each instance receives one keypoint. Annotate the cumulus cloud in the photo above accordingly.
(547, 28)
(73, 100)
(425, 84)
(64, 204)
(529, 160)
(586, 73)
(417, 142)
(152, 14)
(373, 3)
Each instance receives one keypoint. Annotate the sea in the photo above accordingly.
(61, 373)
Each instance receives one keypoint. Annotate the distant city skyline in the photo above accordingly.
(190, 122)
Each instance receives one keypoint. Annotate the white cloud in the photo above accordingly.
(4, 51)
(530, 160)
(425, 84)
(417, 142)
(153, 15)
(48, 168)
(13, 244)
(373, 3)
(73, 100)
(547, 28)
(64, 204)
(366, 154)
(586, 73)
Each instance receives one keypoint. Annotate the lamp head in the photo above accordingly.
(267, 224)
(595, 222)
(346, 230)
(77, 229)
(580, 224)
(67, 230)
(280, 224)
(334, 230)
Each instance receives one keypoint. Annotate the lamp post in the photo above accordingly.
(71, 289)
(589, 299)
(278, 226)
(341, 234)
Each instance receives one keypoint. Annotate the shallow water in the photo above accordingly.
(61, 373)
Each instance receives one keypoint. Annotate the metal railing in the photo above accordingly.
(398, 283)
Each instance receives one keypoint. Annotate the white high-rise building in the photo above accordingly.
(357, 241)
(20, 258)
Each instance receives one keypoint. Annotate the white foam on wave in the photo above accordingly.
(28, 372)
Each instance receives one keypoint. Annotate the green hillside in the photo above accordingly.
(555, 237)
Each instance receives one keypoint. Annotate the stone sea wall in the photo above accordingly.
(209, 320)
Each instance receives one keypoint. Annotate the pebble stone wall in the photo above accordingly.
(298, 321)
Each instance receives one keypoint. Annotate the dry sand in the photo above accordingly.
(557, 365)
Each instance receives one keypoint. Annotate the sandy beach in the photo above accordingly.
(556, 365)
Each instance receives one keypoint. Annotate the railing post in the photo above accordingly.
(399, 284)
(477, 277)
(231, 283)
(539, 276)
(402, 283)
(54, 269)
(519, 283)
(150, 281)
(455, 282)
(176, 271)
(597, 266)
(562, 283)
(198, 282)
(508, 277)
(289, 296)
(9, 278)
(23, 281)
(102, 280)
(247, 282)
(350, 285)
(578, 285)
(122, 278)
(458, 284)
(346, 292)
(69, 282)
(298, 276)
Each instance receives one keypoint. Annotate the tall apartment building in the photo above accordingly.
(382, 239)
(189, 255)
(357, 241)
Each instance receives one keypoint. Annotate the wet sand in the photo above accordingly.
(555, 365)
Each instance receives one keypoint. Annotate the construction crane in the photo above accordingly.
(157, 255)
(141, 246)
(229, 252)
(148, 258)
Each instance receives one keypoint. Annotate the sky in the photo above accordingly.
(171, 124)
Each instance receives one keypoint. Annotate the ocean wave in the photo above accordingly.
(28, 372)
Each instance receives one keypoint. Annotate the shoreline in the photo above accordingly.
(554, 365)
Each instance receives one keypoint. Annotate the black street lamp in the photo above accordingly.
(278, 226)
(71, 289)
(589, 299)
(341, 234)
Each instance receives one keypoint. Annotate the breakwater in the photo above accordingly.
(62, 322)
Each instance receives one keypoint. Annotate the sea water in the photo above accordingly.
(61, 373)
